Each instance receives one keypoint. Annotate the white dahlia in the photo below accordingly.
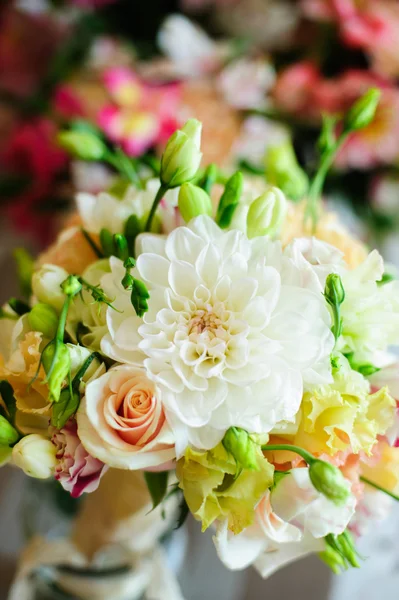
(231, 335)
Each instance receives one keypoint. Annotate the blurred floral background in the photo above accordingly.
(260, 74)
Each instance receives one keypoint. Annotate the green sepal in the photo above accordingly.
(157, 484)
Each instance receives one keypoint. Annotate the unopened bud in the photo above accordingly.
(36, 456)
(127, 281)
(333, 559)
(43, 318)
(56, 362)
(121, 249)
(71, 286)
(348, 549)
(82, 144)
(334, 289)
(230, 199)
(46, 285)
(283, 171)
(238, 442)
(266, 214)
(193, 201)
(139, 297)
(362, 113)
(329, 481)
(107, 242)
(8, 434)
(182, 156)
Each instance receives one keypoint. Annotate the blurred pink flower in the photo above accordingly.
(302, 91)
(371, 25)
(141, 115)
(379, 142)
(77, 471)
(32, 153)
(294, 89)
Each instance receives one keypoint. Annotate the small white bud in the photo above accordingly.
(36, 456)
(46, 285)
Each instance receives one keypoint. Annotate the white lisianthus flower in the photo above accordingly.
(370, 311)
(228, 337)
(290, 522)
(110, 212)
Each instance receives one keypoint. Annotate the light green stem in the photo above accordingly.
(309, 458)
(160, 194)
(316, 186)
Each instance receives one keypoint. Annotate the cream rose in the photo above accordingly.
(122, 423)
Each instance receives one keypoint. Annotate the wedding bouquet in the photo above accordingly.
(229, 342)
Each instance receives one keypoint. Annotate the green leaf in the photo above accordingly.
(7, 393)
(25, 265)
(183, 513)
(132, 230)
(157, 484)
(386, 278)
(65, 408)
(8, 434)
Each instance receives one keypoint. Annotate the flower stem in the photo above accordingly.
(160, 194)
(309, 458)
(316, 186)
(379, 488)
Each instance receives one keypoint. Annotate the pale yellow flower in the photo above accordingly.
(213, 492)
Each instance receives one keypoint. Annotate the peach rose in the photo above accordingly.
(122, 423)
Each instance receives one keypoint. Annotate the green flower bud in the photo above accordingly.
(334, 290)
(44, 318)
(333, 559)
(8, 434)
(56, 362)
(362, 113)
(230, 199)
(120, 246)
(82, 144)
(238, 442)
(107, 242)
(348, 549)
(127, 281)
(71, 286)
(129, 263)
(36, 456)
(193, 201)
(182, 156)
(139, 297)
(46, 285)
(283, 171)
(266, 214)
(329, 481)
